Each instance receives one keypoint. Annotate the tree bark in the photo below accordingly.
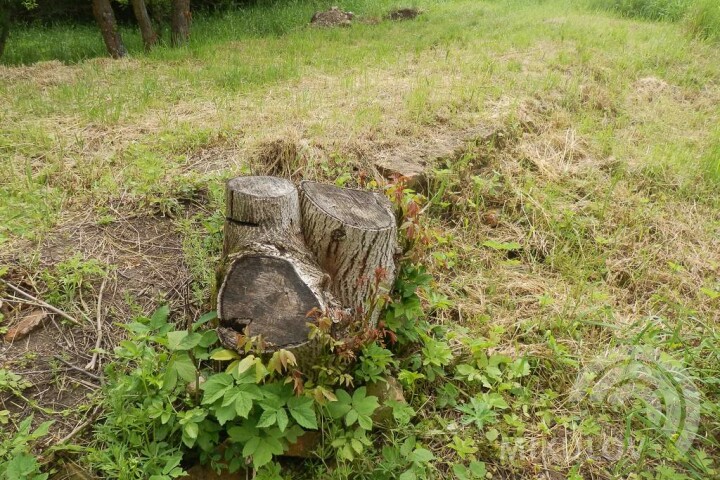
(4, 25)
(353, 235)
(180, 22)
(149, 36)
(259, 209)
(105, 17)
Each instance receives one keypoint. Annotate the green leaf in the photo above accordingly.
(243, 404)
(224, 355)
(169, 379)
(208, 338)
(245, 364)
(184, 367)
(182, 340)
(225, 413)
(301, 409)
(215, 387)
(478, 469)
(408, 475)
(282, 419)
(351, 417)
(267, 419)
(204, 319)
(159, 318)
(505, 246)
(191, 430)
(262, 456)
(251, 446)
(364, 405)
(340, 407)
(240, 434)
(422, 455)
(21, 466)
(365, 422)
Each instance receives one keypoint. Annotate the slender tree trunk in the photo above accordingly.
(180, 22)
(149, 36)
(4, 25)
(105, 18)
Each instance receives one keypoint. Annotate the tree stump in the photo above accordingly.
(353, 235)
(286, 256)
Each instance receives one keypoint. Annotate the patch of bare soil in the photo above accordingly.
(332, 18)
(403, 14)
(146, 270)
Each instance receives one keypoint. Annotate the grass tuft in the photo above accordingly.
(703, 20)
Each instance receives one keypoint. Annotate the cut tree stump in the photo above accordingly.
(269, 291)
(353, 235)
(286, 257)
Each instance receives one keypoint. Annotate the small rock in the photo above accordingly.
(413, 173)
(388, 389)
(403, 14)
(305, 446)
(25, 326)
(332, 18)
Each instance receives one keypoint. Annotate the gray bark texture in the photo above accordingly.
(147, 31)
(353, 235)
(180, 19)
(259, 209)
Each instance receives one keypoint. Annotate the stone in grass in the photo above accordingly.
(386, 390)
(403, 14)
(414, 174)
(332, 18)
(26, 325)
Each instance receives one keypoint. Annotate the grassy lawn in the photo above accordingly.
(587, 223)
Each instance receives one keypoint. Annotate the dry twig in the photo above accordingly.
(98, 317)
(40, 302)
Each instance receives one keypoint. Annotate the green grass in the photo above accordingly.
(603, 182)
(667, 10)
(700, 17)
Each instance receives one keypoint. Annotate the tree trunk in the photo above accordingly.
(105, 18)
(353, 235)
(180, 22)
(149, 36)
(4, 25)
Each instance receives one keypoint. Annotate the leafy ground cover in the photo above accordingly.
(574, 252)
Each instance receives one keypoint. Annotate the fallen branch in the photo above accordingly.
(98, 318)
(40, 302)
(78, 369)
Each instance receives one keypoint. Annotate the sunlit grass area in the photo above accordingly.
(588, 221)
